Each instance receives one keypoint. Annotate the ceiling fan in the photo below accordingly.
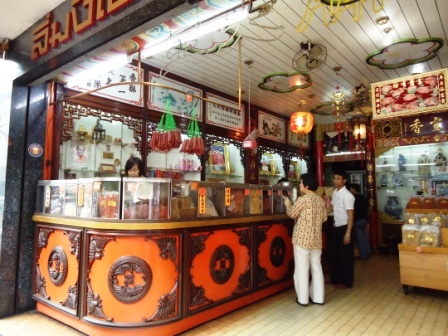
(310, 57)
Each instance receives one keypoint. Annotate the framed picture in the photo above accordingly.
(293, 170)
(296, 140)
(441, 187)
(219, 159)
(267, 164)
(271, 127)
(230, 117)
(107, 168)
(108, 155)
(80, 155)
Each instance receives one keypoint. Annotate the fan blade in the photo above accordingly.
(316, 51)
(314, 63)
(301, 63)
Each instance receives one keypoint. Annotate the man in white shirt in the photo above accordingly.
(341, 249)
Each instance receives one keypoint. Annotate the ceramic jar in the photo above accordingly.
(393, 207)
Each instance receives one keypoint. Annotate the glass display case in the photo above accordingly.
(210, 199)
(99, 197)
(57, 197)
(237, 199)
(266, 192)
(278, 203)
(97, 148)
(256, 199)
(411, 177)
(184, 198)
(145, 198)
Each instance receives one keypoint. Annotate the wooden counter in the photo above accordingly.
(121, 277)
(428, 268)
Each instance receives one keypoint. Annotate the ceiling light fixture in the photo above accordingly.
(382, 20)
(193, 33)
(332, 10)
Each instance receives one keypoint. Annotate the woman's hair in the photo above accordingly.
(131, 162)
(309, 180)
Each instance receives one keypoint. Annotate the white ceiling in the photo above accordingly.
(348, 43)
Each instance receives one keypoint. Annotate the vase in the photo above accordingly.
(393, 207)
(401, 162)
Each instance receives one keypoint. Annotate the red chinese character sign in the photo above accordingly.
(410, 95)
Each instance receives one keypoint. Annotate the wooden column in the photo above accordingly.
(319, 151)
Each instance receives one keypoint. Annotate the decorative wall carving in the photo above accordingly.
(166, 307)
(129, 279)
(261, 237)
(42, 239)
(222, 264)
(244, 237)
(277, 251)
(96, 248)
(168, 248)
(73, 237)
(57, 265)
(72, 297)
(95, 304)
(40, 284)
(76, 111)
(387, 129)
(197, 297)
(198, 245)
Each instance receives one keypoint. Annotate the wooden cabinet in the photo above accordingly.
(428, 268)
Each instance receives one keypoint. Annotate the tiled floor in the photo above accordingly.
(375, 306)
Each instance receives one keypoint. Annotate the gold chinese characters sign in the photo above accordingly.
(410, 95)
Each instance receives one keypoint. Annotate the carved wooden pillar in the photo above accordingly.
(319, 151)
(371, 189)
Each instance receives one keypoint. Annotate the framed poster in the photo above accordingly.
(410, 95)
(219, 159)
(296, 140)
(130, 94)
(271, 127)
(79, 155)
(267, 164)
(181, 104)
(230, 117)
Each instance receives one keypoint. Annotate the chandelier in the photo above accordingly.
(332, 10)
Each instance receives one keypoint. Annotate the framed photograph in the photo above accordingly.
(271, 127)
(80, 155)
(107, 168)
(441, 187)
(108, 155)
(293, 170)
(267, 164)
(219, 159)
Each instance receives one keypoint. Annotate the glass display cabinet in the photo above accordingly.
(411, 177)
(237, 199)
(57, 197)
(99, 197)
(98, 148)
(184, 198)
(278, 203)
(145, 198)
(210, 199)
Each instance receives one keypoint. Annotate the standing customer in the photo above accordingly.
(361, 221)
(310, 212)
(134, 167)
(341, 253)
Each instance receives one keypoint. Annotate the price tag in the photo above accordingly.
(81, 195)
(246, 192)
(227, 195)
(194, 186)
(202, 204)
(47, 196)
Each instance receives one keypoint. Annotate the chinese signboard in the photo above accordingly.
(410, 95)
(271, 127)
(298, 140)
(424, 125)
(230, 117)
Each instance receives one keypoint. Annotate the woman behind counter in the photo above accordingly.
(134, 167)
(310, 211)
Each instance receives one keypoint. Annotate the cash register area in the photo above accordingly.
(376, 305)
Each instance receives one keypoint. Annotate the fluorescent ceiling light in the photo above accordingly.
(195, 32)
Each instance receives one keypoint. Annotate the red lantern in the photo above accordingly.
(301, 124)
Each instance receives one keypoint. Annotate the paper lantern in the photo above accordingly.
(302, 122)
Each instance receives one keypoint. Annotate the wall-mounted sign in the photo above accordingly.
(410, 95)
(271, 127)
(230, 117)
(298, 140)
(129, 94)
(81, 16)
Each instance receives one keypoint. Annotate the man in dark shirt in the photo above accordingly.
(361, 221)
